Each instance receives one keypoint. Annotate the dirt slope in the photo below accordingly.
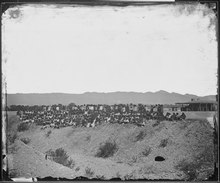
(187, 149)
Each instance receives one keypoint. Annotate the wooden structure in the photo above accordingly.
(198, 105)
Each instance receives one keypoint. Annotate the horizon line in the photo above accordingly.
(164, 91)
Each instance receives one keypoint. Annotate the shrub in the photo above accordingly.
(189, 169)
(70, 163)
(134, 159)
(199, 167)
(101, 177)
(77, 169)
(140, 136)
(25, 140)
(146, 152)
(163, 143)
(148, 170)
(48, 133)
(107, 150)
(13, 149)
(60, 156)
(11, 138)
(23, 127)
(156, 124)
(13, 173)
(88, 138)
(129, 176)
(89, 172)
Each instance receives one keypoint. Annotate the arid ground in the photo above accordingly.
(182, 150)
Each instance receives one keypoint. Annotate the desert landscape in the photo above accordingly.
(179, 150)
(129, 92)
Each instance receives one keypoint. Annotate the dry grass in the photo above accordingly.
(193, 168)
(134, 159)
(13, 173)
(189, 169)
(147, 170)
(129, 176)
(100, 177)
(88, 172)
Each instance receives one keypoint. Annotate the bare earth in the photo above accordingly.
(186, 146)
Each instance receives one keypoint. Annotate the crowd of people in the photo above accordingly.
(57, 116)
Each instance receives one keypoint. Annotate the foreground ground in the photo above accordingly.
(168, 150)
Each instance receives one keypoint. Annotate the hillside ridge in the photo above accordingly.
(159, 97)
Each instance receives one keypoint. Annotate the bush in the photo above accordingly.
(48, 133)
(156, 124)
(89, 172)
(88, 138)
(189, 169)
(77, 169)
(163, 143)
(140, 136)
(13, 173)
(129, 176)
(101, 177)
(134, 159)
(60, 156)
(11, 138)
(25, 140)
(23, 127)
(146, 152)
(199, 167)
(107, 150)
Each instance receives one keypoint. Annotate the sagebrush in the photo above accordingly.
(48, 133)
(26, 140)
(11, 138)
(23, 127)
(146, 152)
(140, 136)
(60, 156)
(163, 143)
(89, 172)
(107, 150)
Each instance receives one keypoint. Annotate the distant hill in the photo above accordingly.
(160, 97)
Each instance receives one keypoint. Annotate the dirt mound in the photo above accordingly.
(28, 162)
(179, 146)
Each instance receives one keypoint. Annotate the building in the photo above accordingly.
(171, 108)
(200, 109)
(198, 105)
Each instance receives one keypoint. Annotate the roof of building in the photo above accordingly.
(199, 102)
(171, 105)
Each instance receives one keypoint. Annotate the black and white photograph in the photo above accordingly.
(110, 91)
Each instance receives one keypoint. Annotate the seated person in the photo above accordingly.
(183, 116)
(173, 117)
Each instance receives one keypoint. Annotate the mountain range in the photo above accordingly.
(159, 97)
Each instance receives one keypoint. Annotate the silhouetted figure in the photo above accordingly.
(183, 116)
(173, 117)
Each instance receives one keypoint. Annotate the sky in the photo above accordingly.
(105, 49)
